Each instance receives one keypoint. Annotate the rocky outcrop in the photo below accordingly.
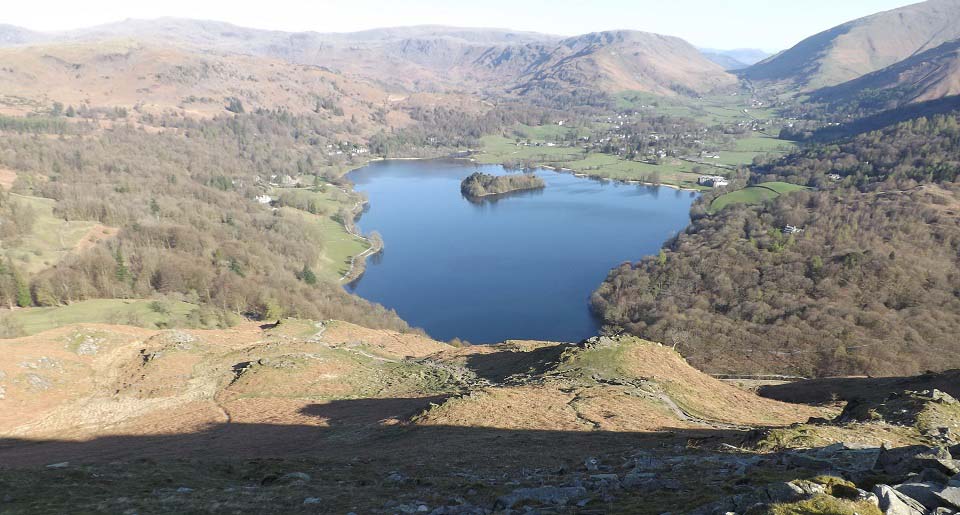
(925, 480)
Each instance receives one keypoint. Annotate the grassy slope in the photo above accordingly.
(51, 239)
(339, 246)
(754, 194)
(749, 148)
(98, 311)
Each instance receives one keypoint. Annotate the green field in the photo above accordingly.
(143, 313)
(50, 240)
(551, 132)
(339, 246)
(498, 150)
(754, 194)
(759, 144)
(711, 110)
(764, 143)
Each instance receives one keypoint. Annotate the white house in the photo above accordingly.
(263, 199)
(715, 181)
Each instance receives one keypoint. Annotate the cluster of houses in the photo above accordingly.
(346, 148)
(536, 144)
(715, 181)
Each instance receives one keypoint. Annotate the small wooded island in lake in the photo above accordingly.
(483, 185)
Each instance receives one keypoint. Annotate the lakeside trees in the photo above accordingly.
(482, 185)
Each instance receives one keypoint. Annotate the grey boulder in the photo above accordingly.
(893, 502)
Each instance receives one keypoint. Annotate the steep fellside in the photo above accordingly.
(862, 46)
(930, 75)
(857, 276)
(625, 61)
(422, 58)
(153, 78)
(442, 59)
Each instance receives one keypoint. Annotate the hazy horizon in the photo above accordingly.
(732, 25)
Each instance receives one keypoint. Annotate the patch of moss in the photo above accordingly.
(602, 361)
(837, 487)
(936, 415)
(824, 505)
(801, 436)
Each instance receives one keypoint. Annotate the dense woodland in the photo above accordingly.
(183, 199)
(870, 285)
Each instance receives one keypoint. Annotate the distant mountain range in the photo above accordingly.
(736, 59)
(433, 58)
(888, 59)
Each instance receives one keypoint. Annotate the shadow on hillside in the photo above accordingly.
(366, 429)
(820, 391)
(498, 366)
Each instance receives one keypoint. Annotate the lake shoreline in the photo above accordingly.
(558, 169)
(359, 261)
(493, 262)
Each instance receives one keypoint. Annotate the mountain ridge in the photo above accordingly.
(861, 46)
(453, 58)
(926, 76)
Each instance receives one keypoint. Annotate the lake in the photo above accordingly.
(518, 267)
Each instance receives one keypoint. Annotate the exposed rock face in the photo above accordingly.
(895, 503)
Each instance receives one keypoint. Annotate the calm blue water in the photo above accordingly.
(520, 267)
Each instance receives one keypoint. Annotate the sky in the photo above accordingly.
(725, 24)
